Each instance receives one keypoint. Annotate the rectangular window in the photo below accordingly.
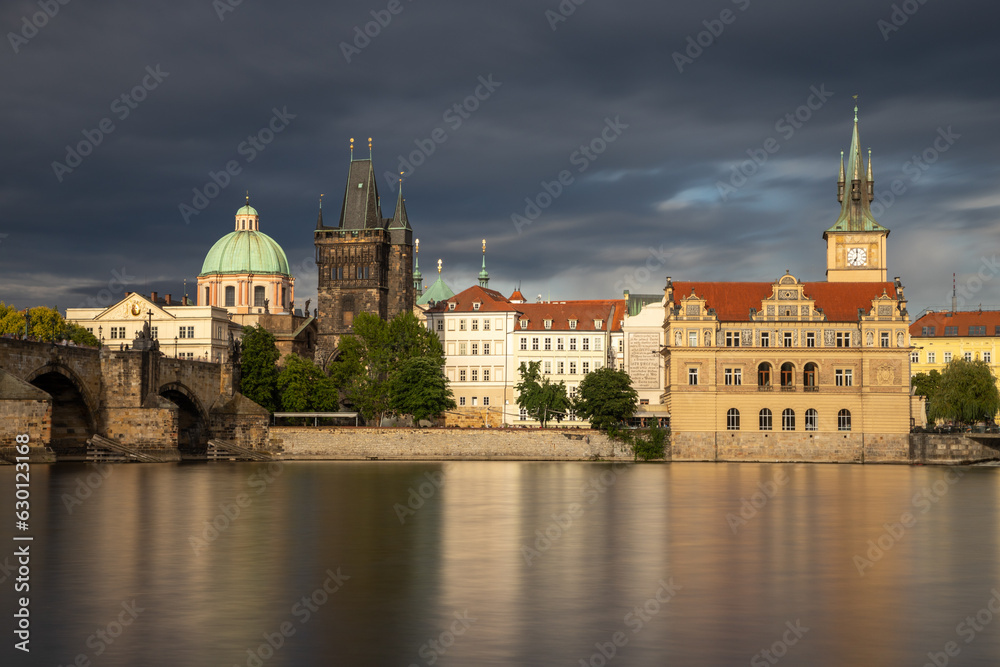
(559, 343)
(951, 331)
(931, 357)
(884, 339)
(810, 339)
(692, 376)
(560, 367)
(486, 376)
(486, 327)
(734, 377)
(548, 343)
(524, 343)
(462, 348)
(788, 339)
(572, 324)
(155, 332)
(927, 331)
(475, 348)
(547, 368)
(572, 343)
(692, 339)
(230, 296)
(524, 324)
(988, 357)
(947, 357)
(598, 364)
(486, 348)
(475, 325)
(843, 339)
(461, 325)
(461, 375)
(522, 415)
(586, 367)
(914, 357)
(732, 339)
(534, 343)
(845, 377)
(572, 368)
(977, 331)
(461, 400)
(585, 344)
(258, 296)
(440, 325)
(765, 339)
(967, 356)
(486, 399)
(474, 375)
(597, 344)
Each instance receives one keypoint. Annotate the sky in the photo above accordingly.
(597, 146)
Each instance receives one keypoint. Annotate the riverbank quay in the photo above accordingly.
(551, 444)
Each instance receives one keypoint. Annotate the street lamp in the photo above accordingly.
(175, 347)
(100, 334)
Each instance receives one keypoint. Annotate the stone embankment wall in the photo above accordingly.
(305, 442)
(936, 448)
(818, 447)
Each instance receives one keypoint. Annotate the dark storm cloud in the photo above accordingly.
(652, 198)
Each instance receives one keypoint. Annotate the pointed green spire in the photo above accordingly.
(484, 276)
(855, 212)
(418, 278)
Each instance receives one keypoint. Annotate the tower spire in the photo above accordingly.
(418, 278)
(352, 149)
(369, 148)
(841, 182)
(855, 213)
(484, 276)
(319, 218)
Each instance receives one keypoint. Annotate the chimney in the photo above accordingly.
(166, 299)
(152, 297)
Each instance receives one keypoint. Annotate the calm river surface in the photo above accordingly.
(508, 563)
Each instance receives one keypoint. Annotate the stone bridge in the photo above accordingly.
(62, 395)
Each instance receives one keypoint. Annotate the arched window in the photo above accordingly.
(844, 420)
(809, 377)
(733, 420)
(788, 420)
(765, 420)
(764, 374)
(812, 420)
(787, 374)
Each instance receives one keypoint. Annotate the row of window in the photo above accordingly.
(932, 357)
(472, 375)
(546, 343)
(764, 420)
(842, 339)
(473, 348)
(598, 324)
(523, 416)
(259, 295)
(118, 333)
(844, 377)
(475, 401)
(974, 330)
(475, 325)
(561, 365)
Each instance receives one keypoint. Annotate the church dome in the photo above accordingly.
(246, 250)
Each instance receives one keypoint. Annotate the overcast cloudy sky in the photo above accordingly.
(669, 99)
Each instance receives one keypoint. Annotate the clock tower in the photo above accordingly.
(855, 244)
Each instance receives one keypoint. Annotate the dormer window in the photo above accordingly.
(572, 324)
(524, 324)
(475, 305)
(598, 324)
(548, 324)
(451, 306)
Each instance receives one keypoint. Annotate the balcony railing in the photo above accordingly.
(765, 387)
(810, 388)
(788, 387)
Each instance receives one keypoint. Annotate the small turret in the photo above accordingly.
(418, 278)
(841, 183)
(484, 276)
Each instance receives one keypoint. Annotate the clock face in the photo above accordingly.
(856, 257)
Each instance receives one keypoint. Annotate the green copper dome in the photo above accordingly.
(439, 291)
(247, 210)
(245, 252)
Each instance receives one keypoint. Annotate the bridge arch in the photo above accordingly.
(193, 426)
(74, 411)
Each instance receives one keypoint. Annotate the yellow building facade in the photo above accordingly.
(792, 370)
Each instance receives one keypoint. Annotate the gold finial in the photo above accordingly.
(248, 197)
(439, 267)
(418, 246)
(369, 148)
(352, 148)
(484, 246)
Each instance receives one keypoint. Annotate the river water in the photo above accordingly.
(507, 563)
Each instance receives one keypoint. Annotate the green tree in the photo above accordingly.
(606, 397)
(927, 385)
(259, 358)
(541, 399)
(646, 444)
(80, 336)
(967, 392)
(374, 353)
(304, 387)
(46, 324)
(420, 389)
(11, 320)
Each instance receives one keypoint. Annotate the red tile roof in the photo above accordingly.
(490, 301)
(609, 311)
(517, 296)
(838, 301)
(962, 320)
